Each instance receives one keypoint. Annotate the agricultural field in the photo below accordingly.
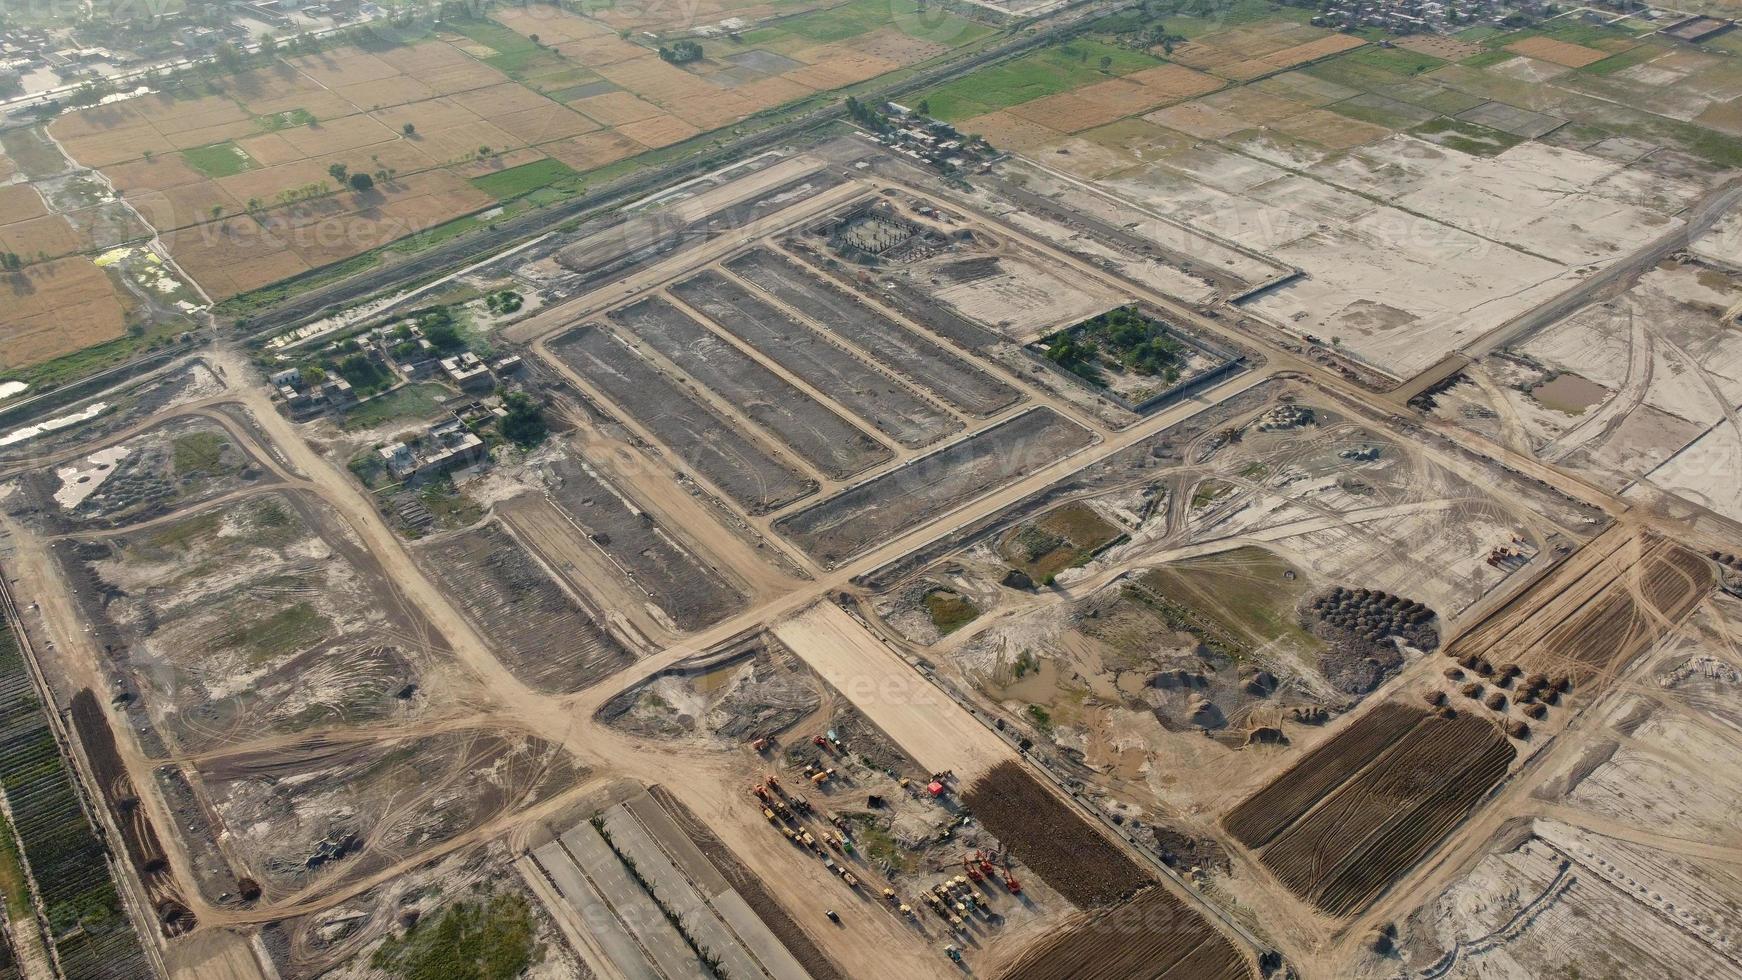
(238, 174)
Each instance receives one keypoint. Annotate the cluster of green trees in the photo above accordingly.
(1137, 343)
(681, 52)
(524, 424)
(867, 116)
(10, 262)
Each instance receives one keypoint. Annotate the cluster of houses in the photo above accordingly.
(1426, 16)
(928, 140)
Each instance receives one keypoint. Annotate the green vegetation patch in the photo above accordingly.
(1064, 538)
(1123, 338)
(288, 119)
(219, 159)
(201, 453)
(1248, 592)
(1623, 61)
(516, 54)
(1395, 61)
(288, 630)
(1060, 68)
(516, 181)
(849, 20)
(413, 402)
(491, 939)
(950, 610)
(1467, 137)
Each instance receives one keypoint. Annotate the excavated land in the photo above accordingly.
(541, 633)
(945, 375)
(854, 520)
(259, 616)
(85, 414)
(889, 406)
(1153, 936)
(816, 433)
(179, 464)
(138, 835)
(326, 811)
(757, 691)
(1364, 831)
(1053, 840)
(733, 462)
(680, 582)
(1597, 611)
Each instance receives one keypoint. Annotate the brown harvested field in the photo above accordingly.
(1154, 935)
(1120, 96)
(658, 131)
(1329, 129)
(1175, 82)
(1373, 828)
(52, 235)
(1601, 608)
(19, 202)
(1558, 52)
(1301, 54)
(617, 108)
(1009, 132)
(1439, 46)
(55, 308)
(1198, 119)
(895, 46)
(592, 150)
(1052, 839)
(1330, 764)
(1067, 113)
(1255, 107)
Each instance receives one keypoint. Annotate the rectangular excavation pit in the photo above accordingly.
(893, 503)
(826, 440)
(910, 355)
(891, 408)
(733, 462)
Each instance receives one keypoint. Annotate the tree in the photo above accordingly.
(924, 107)
(362, 183)
(217, 211)
(339, 172)
(524, 424)
(483, 151)
(1106, 62)
(408, 129)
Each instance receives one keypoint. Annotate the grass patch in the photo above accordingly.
(1393, 61)
(849, 20)
(219, 159)
(1210, 491)
(1248, 594)
(410, 402)
(83, 363)
(200, 452)
(286, 631)
(1065, 538)
(1492, 56)
(515, 53)
(1467, 137)
(288, 119)
(1623, 61)
(492, 939)
(950, 611)
(516, 181)
(1050, 71)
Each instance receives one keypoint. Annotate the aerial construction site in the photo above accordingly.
(1012, 491)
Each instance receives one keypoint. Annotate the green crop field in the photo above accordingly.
(218, 159)
(849, 20)
(1050, 71)
(524, 179)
